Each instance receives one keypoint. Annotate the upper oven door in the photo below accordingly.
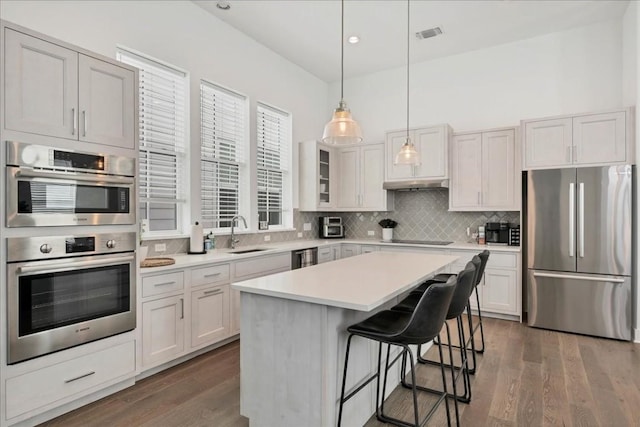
(54, 198)
(57, 304)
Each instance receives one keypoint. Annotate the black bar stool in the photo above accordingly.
(465, 281)
(484, 257)
(403, 329)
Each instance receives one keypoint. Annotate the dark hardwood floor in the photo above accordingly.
(526, 377)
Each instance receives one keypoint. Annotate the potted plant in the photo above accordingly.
(387, 229)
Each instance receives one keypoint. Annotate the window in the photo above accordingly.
(163, 135)
(273, 138)
(223, 146)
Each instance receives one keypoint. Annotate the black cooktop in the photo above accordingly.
(423, 242)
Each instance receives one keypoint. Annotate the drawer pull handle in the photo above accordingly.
(213, 292)
(80, 377)
(212, 275)
(165, 283)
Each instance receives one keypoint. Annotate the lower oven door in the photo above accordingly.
(57, 304)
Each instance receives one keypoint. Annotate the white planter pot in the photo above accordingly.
(387, 234)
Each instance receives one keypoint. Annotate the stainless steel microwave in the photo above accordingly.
(331, 227)
(52, 187)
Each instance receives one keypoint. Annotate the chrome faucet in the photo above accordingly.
(233, 222)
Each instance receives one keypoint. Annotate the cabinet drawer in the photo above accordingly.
(54, 383)
(210, 275)
(325, 255)
(497, 260)
(262, 266)
(162, 283)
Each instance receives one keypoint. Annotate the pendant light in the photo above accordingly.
(342, 129)
(408, 155)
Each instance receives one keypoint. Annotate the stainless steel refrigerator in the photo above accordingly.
(579, 250)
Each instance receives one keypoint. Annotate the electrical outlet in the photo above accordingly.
(299, 235)
(160, 247)
(371, 233)
(267, 238)
(306, 226)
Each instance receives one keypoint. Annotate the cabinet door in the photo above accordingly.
(365, 249)
(325, 178)
(547, 143)
(209, 315)
(432, 146)
(498, 171)
(394, 142)
(40, 86)
(235, 311)
(499, 291)
(372, 196)
(349, 250)
(162, 330)
(325, 254)
(599, 138)
(466, 171)
(106, 103)
(349, 173)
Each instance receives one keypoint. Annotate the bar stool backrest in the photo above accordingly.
(464, 286)
(428, 317)
(484, 257)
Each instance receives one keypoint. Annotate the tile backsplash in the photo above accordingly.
(421, 215)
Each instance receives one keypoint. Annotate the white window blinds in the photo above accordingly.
(223, 164)
(162, 123)
(273, 131)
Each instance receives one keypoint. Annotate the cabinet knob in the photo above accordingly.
(46, 248)
(111, 244)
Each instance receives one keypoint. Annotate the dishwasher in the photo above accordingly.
(304, 258)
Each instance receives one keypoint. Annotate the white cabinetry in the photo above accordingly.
(579, 140)
(56, 91)
(326, 254)
(361, 174)
(210, 315)
(162, 329)
(432, 144)
(485, 171)
(349, 250)
(317, 171)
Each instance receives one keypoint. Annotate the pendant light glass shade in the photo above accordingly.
(342, 129)
(407, 154)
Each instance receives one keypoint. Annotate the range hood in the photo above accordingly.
(417, 184)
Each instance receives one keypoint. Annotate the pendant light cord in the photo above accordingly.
(408, 38)
(342, 57)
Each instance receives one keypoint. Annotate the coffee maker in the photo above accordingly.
(497, 233)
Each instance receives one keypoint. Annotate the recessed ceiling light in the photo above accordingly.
(223, 4)
(353, 39)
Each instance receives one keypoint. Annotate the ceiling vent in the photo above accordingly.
(431, 32)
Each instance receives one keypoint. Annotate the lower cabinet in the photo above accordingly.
(326, 254)
(235, 311)
(349, 249)
(365, 249)
(162, 329)
(210, 320)
(499, 293)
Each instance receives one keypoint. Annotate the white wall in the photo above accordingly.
(183, 34)
(568, 72)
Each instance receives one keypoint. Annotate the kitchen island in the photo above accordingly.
(293, 329)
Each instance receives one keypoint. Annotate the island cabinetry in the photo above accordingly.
(485, 171)
(54, 90)
(579, 140)
(432, 144)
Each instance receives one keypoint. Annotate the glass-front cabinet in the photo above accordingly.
(317, 182)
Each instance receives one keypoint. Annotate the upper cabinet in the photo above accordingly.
(584, 140)
(317, 171)
(361, 172)
(432, 144)
(345, 178)
(485, 171)
(55, 91)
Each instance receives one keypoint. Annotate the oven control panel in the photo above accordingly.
(47, 247)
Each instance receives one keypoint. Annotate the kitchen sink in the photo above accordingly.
(246, 251)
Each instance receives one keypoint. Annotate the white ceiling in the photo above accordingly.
(307, 32)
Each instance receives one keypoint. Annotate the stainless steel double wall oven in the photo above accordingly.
(77, 285)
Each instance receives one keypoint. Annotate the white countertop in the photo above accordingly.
(357, 283)
(225, 255)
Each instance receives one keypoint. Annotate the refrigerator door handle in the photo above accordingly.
(581, 220)
(590, 278)
(572, 216)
